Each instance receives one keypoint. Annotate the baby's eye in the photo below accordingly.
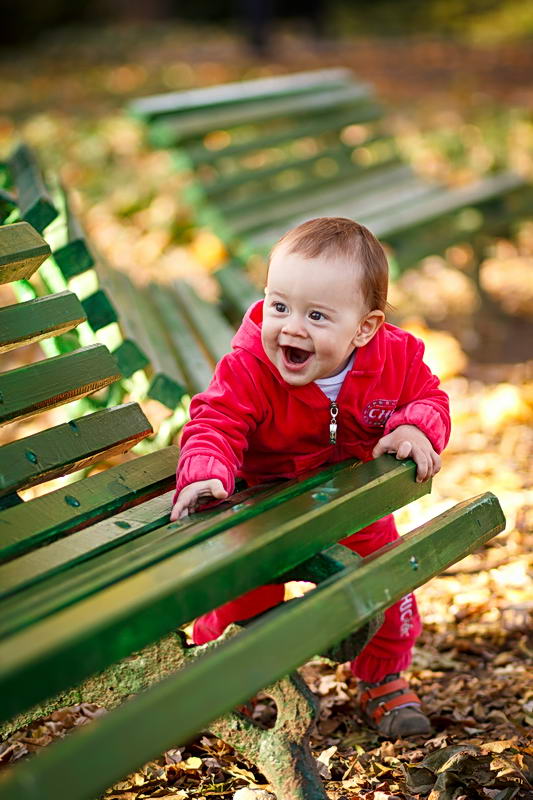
(280, 307)
(316, 316)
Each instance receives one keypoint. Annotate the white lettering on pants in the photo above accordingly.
(406, 614)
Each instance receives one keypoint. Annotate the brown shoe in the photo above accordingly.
(390, 707)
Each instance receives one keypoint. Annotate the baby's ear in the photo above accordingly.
(368, 327)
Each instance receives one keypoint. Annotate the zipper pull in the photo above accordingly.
(333, 410)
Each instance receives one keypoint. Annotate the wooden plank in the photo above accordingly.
(242, 175)
(176, 588)
(46, 384)
(176, 708)
(240, 92)
(130, 358)
(141, 324)
(99, 309)
(76, 506)
(198, 154)
(52, 559)
(210, 325)
(192, 358)
(325, 102)
(142, 520)
(22, 251)
(238, 292)
(72, 446)
(38, 319)
(353, 200)
(354, 186)
(444, 202)
(73, 256)
(35, 203)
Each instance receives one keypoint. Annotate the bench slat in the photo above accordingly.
(277, 209)
(150, 108)
(176, 589)
(239, 178)
(46, 384)
(171, 131)
(72, 446)
(73, 255)
(22, 251)
(198, 154)
(238, 293)
(76, 506)
(196, 366)
(34, 201)
(185, 702)
(145, 519)
(447, 201)
(38, 319)
(140, 324)
(210, 326)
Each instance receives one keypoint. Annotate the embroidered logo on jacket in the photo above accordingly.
(377, 412)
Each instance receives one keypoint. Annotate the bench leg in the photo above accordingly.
(282, 753)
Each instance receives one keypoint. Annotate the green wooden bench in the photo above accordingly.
(94, 580)
(263, 155)
(72, 266)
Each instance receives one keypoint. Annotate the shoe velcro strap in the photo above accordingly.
(372, 693)
(387, 706)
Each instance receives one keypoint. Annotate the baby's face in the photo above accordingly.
(314, 316)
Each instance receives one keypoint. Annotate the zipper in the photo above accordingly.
(333, 412)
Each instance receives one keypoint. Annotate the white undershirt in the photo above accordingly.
(332, 386)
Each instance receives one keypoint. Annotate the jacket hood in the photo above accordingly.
(369, 359)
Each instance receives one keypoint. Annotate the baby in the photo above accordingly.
(317, 376)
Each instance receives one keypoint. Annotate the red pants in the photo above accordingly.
(390, 648)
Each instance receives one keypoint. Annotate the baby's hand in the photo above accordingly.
(190, 496)
(409, 441)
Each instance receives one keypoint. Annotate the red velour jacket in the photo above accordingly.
(250, 423)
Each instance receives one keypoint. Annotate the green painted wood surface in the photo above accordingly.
(146, 520)
(130, 358)
(74, 445)
(38, 319)
(184, 703)
(197, 154)
(99, 309)
(258, 112)
(72, 252)
(226, 185)
(80, 546)
(34, 201)
(140, 323)
(76, 506)
(279, 207)
(22, 251)
(182, 103)
(137, 610)
(177, 335)
(211, 327)
(445, 202)
(238, 292)
(46, 384)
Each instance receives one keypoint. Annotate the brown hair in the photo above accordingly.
(344, 237)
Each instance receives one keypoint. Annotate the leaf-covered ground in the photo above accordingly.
(457, 111)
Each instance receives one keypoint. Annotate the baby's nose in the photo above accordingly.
(294, 326)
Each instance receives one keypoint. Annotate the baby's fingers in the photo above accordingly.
(404, 450)
(423, 465)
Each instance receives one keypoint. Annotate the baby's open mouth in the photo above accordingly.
(295, 355)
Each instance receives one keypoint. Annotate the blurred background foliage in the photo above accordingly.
(486, 21)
